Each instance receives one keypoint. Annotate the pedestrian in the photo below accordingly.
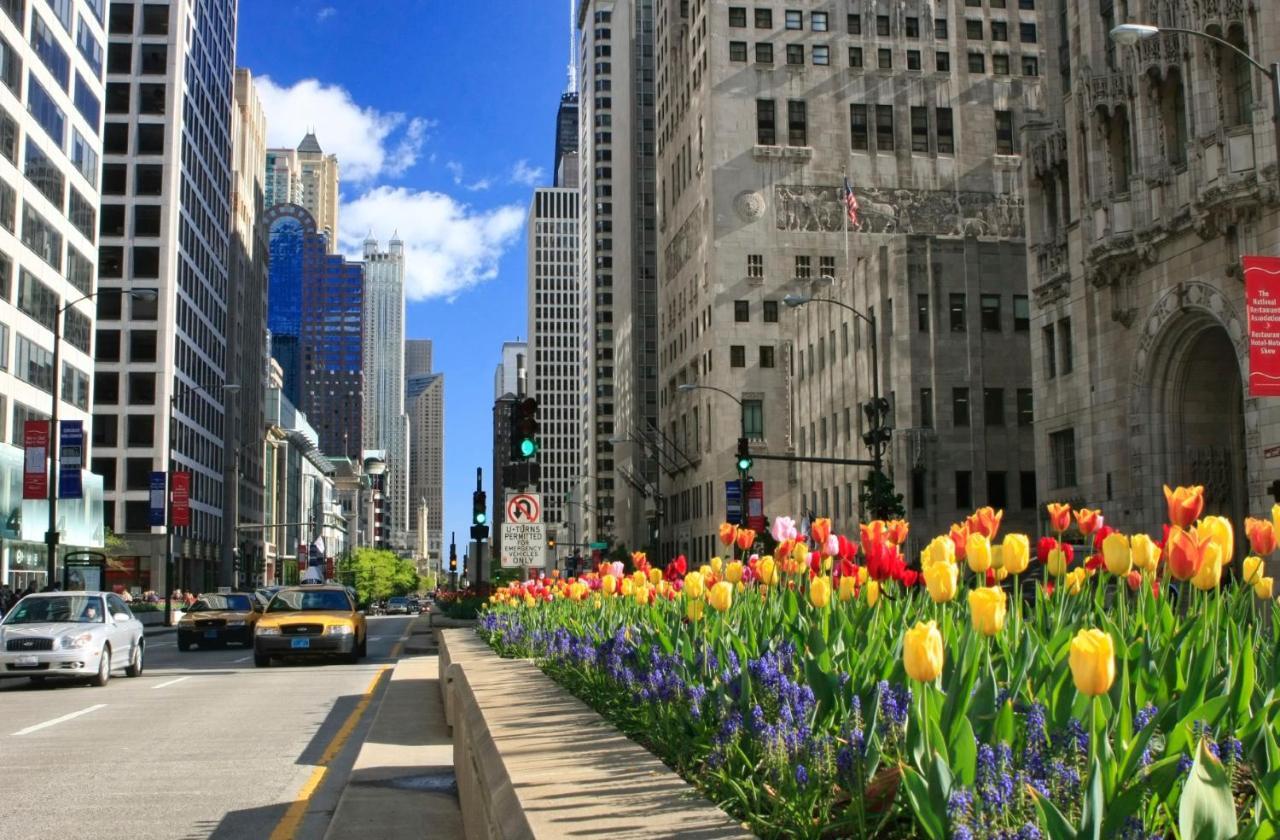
(189, 599)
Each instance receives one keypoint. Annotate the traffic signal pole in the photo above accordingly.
(479, 531)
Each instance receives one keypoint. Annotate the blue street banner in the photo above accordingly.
(157, 498)
(733, 502)
(71, 459)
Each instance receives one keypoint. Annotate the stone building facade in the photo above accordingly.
(1149, 178)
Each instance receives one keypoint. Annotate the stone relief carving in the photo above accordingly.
(941, 213)
(683, 245)
(749, 205)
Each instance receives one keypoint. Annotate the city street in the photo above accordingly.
(203, 744)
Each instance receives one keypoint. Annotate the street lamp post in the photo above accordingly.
(1129, 34)
(54, 442)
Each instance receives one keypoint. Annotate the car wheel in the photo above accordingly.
(363, 649)
(184, 644)
(104, 667)
(261, 661)
(135, 665)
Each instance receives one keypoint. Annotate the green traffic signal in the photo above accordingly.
(528, 447)
(481, 518)
(744, 464)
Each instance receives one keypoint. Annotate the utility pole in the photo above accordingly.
(479, 530)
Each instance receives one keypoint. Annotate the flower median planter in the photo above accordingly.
(533, 761)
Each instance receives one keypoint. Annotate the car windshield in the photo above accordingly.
(302, 600)
(399, 600)
(222, 603)
(75, 609)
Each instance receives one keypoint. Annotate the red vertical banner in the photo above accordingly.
(1262, 303)
(755, 508)
(35, 442)
(181, 499)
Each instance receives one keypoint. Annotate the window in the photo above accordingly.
(51, 55)
(858, 128)
(108, 346)
(999, 30)
(945, 131)
(973, 29)
(738, 17)
(83, 216)
(993, 406)
(990, 313)
(89, 47)
(120, 58)
(142, 346)
(110, 261)
(998, 490)
(1064, 345)
(113, 219)
(766, 126)
(106, 389)
(143, 309)
(1062, 451)
(753, 418)
(770, 311)
(827, 267)
(106, 431)
(1030, 65)
(940, 29)
(884, 128)
(62, 10)
(41, 237)
(977, 62)
(794, 19)
(884, 59)
(79, 270)
(10, 67)
(8, 136)
(912, 25)
(146, 220)
(766, 355)
(926, 408)
(1000, 64)
(913, 59)
(1027, 5)
(795, 53)
(75, 386)
(84, 157)
(118, 94)
(6, 277)
(959, 407)
(1025, 414)
(33, 364)
(115, 138)
(919, 128)
(1021, 314)
(942, 62)
(804, 268)
(797, 129)
(142, 389)
(882, 25)
(818, 21)
(146, 262)
(1004, 133)
(737, 50)
(764, 18)
(917, 489)
(141, 430)
(44, 175)
(764, 53)
(957, 312)
(741, 311)
(1027, 33)
(47, 114)
(150, 138)
(16, 10)
(737, 356)
(36, 299)
(1050, 353)
(964, 490)
(1027, 490)
(855, 56)
(147, 179)
(155, 19)
(854, 24)
(820, 54)
(151, 99)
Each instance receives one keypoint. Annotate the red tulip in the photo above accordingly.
(820, 530)
(1088, 520)
(896, 530)
(1184, 552)
(1043, 547)
(1262, 536)
(1059, 516)
(1185, 504)
(960, 536)
(985, 521)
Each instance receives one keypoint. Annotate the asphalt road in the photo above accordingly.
(202, 745)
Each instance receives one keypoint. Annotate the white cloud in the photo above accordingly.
(369, 143)
(449, 246)
(326, 13)
(523, 173)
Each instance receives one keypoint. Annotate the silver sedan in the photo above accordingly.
(70, 635)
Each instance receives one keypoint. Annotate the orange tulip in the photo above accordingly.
(960, 536)
(872, 532)
(1088, 520)
(1059, 517)
(1185, 553)
(1262, 536)
(1185, 504)
(897, 531)
(985, 521)
(728, 533)
(746, 538)
(820, 530)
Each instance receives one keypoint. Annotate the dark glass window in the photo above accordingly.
(882, 25)
(764, 53)
(1021, 314)
(964, 490)
(141, 429)
(770, 311)
(960, 407)
(120, 57)
(1062, 452)
(853, 23)
(977, 62)
(1026, 415)
(1004, 133)
(1027, 490)
(884, 59)
(737, 356)
(154, 59)
(121, 21)
(958, 321)
(998, 490)
(764, 18)
(155, 19)
(795, 53)
(946, 132)
(884, 128)
(737, 50)
(858, 131)
(150, 138)
(855, 56)
(990, 313)
(919, 128)
(942, 62)
(737, 16)
(797, 127)
(993, 406)
(926, 408)
(766, 122)
(741, 310)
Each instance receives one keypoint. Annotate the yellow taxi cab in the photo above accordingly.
(310, 620)
(218, 619)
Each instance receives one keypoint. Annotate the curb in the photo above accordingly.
(148, 632)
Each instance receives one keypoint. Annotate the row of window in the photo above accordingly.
(793, 19)
(937, 136)
(820, 55)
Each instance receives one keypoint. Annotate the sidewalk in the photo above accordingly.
(402, 784)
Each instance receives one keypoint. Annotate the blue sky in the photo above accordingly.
(442, 114)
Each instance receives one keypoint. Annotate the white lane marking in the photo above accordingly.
(241, 659)
(375, 638)
(160, 644)
(59, 720)
(169, 683)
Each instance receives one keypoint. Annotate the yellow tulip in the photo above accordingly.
(1117, 554)
(597, 601)
(577, 591)
(694, 585)
(1075, 580)
(939, 550)
(862, 574)
(1218, 528)
(1144, 551)
(940, 579)
(1252, 569)
(800, 554)
(1057, 562)
(1001, 573)
(693, 609)
(721, 596)
(716, 565)
(873, 592)
(642, 595)
(1016, 551)
(639, 578)
(1210, 574)
(820, 591)
(1275, 517)
(628, 587)
(1093, 662)
(733, 572)
(1263, 588)
(767, 570)
(848, 584)
(922, 652)
(977, 553)
(609, 584)
(655, 575)
(987, 608)
(529, 600)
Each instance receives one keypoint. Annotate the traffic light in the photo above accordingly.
(551, 542)
(527, 428)
(479, 515)
(744, 455)
(453, 556)
(879, 423)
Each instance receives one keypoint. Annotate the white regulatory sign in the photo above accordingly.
(524, 508)
(523, 545)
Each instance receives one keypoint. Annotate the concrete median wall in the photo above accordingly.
(533, 761)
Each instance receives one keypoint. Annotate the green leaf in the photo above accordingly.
(1156, 780)
(1093, 810)
(1243, 691)
(927, 818)
(1051, 820)
(963, 748)
(940, 787)
(1207, 810)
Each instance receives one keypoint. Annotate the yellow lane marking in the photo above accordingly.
(292, 819)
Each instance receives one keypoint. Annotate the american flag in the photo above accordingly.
(850, 203)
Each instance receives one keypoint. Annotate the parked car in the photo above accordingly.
(218, 619)
(310, 621)
(415, 606)
(398, 605)
(71, 635)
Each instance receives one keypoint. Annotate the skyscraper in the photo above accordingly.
(509, 386)
(308, 177)
(283, 182)
(386, 426)
(296, 248)
(556, 341)
(566, 131)
(167, 160)
(424, 402)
